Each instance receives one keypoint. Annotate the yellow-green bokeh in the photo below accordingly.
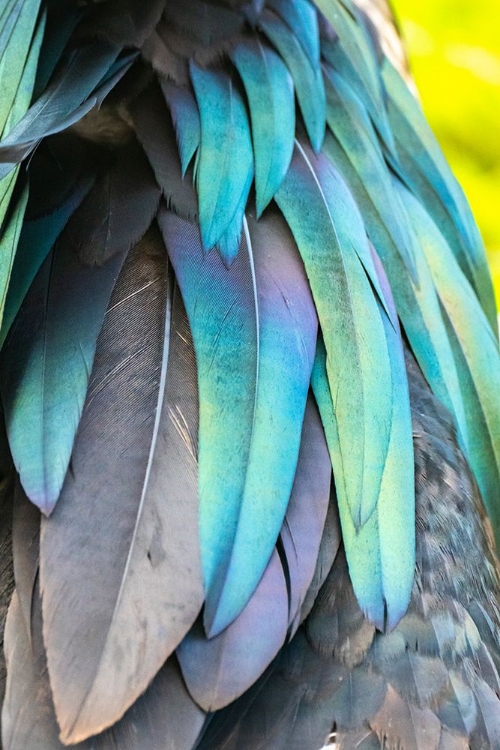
(455, 55)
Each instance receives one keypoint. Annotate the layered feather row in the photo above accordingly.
(218, 279)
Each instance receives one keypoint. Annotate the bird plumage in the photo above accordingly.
(233, 260)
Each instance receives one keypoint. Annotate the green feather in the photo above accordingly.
(356, 154)
(308, 80)
(426, 172)
(269, 88)
(19, 48)
(357, 364)
(477, 349)
(352, 55)
(301, 17)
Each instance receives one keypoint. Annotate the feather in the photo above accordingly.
(330, 543)
(416, 299)
(219, 670)
(60, 24)
(164, 718)
(368, 470)
(63, 103)
(488, 717)
(358, 699)
(269, 88)
(21, 32)
(46, 367)
(459, 711)
(307, 79)
(479, 349)
(118, 209)
(225, 168)
(352, 55)
(421, 678)
(301, 17)
(186, 120)
(111, 621)
(254, 345)
(401, 726)
(25, 552)
(10, 233)
(305, 518)
(155, 132)
(40, 231)
(254, 638)
(424, 165)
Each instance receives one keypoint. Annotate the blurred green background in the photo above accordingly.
(455, 56)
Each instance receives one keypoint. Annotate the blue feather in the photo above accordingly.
(49, 367)
(254, 331)
(269, 88)
(225, 167)
(308, 80)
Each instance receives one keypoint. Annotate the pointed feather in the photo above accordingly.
(111, 621)
(253, 389)
(37, 238)
(330, 543)
(269, 88)
(479, 347)
(186, 120)
(164, 718)
(425, 164)
(307, 78)
(225, 168)
(155, 132)
(9, 240)
(416, 302)
(345, 304)
(351, 54)
(219, 670)
(301, 17)
(371, 459)
(46, 367)
(118, 210)
(306, 514)
(21, 33)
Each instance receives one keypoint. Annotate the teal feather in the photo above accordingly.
(349, 122)
(58, 30)
(20, 41)
(349, 319)
(254, 331)
(9, 240)
(307, 79)
(302, 19)
(357, 157)
(49, 366)
(21, 33)
(352, 55)
(269, 89)
(186, 120)
(477, 350)
(371, 435)
(429, 176)
(225, 167)
(35, 242)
